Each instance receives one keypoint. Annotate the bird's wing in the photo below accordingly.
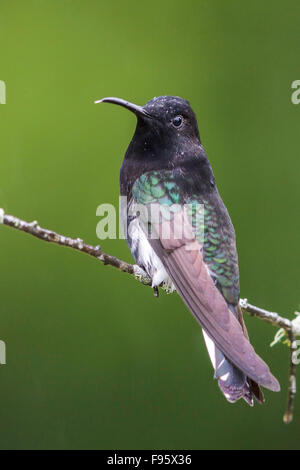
(176, 239)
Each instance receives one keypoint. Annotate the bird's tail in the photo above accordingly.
(233, 383)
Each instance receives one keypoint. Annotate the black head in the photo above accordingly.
(174, 117)
(168, 121)
(166, 136)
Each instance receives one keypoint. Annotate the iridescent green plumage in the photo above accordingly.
(218, 241)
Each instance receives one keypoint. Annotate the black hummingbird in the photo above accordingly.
(165, 167)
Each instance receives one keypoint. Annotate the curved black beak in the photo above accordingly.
(134, 108)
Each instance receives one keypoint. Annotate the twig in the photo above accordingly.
(290, 327)
(34, 229)
(270, 317)
(288, 415)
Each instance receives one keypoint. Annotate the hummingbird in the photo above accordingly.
(166, 168)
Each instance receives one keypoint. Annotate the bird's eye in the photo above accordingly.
(177, 121)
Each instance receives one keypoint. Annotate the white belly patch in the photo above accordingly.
(146, 257)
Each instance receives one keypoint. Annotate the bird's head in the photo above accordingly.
(166, 123)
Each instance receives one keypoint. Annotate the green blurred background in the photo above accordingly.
(93, 359)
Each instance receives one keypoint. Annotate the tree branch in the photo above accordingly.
(289, 328)
(34, 229)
